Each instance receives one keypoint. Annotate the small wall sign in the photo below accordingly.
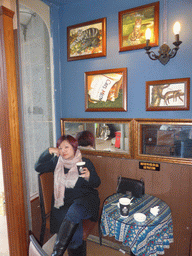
(149, 166)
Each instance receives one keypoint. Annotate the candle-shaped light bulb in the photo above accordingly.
(148, 34)
(176, 30)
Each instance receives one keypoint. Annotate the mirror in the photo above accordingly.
(169, 141)
(112, 136)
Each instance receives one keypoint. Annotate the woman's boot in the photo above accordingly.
(64, 236)
(80, 251)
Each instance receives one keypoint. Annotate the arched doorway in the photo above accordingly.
(37, 92)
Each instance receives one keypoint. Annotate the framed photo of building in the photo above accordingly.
(172, 94)
(133, 24)
(106, 90)
(86, 40)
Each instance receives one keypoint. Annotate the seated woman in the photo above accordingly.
(86, 139)
(75, 197)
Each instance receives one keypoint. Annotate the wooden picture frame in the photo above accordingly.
(106, 90)
(171, 94)
(133, 24)
(86, 40)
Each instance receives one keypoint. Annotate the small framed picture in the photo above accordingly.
(172, 94)
(106, 90)
(133, 24)
(86, 40)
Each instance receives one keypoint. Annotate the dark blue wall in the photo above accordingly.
(69, 76)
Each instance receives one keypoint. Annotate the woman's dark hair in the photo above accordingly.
(72, 141)
(85, 138)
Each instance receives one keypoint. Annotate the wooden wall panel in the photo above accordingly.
(36, 217)
(127, 168)
(36, 220)
(106, 168)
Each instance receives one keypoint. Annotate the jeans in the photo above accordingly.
(76, 213)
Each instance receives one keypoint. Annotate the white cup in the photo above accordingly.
(124, 204)
(80, 166)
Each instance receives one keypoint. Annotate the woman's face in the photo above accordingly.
(66, 150)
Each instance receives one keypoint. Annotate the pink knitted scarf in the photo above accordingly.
(62, 180)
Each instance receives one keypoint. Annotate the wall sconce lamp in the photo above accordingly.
(165, 53)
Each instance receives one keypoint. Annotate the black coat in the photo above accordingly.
(83, 193)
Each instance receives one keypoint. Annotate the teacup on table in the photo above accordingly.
(124, 204)
(80, 166)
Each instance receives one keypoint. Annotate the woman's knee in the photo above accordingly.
(74, 213)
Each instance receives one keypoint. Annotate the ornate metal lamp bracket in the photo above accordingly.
(165, 53)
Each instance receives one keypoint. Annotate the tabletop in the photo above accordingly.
(146, 238)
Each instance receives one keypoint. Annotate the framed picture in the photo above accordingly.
(172, 94)
(133, 24)
(106, 90)
(86, 40)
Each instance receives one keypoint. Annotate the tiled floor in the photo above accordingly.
(94, 249)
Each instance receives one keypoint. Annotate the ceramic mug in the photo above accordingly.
(124, 204)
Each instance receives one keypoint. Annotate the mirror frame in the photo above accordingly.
(138, 140)
(125, 154)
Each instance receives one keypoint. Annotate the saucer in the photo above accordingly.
(140, 217)
(124, 216)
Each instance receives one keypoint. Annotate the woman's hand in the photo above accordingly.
(54, 151)
(85, 173)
